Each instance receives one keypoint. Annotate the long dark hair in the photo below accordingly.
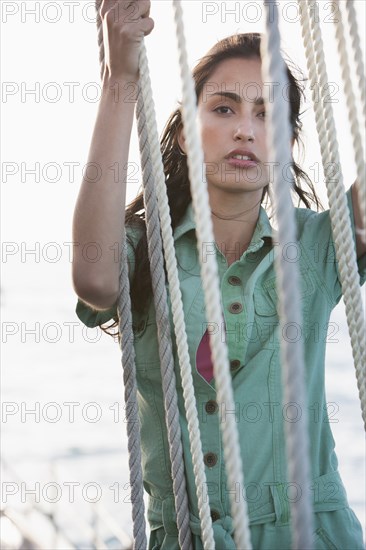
(245, 46)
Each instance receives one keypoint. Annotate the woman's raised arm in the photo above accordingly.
(99, 211)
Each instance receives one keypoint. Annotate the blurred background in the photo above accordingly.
(64, 458)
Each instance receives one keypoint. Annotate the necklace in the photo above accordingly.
(235, 215)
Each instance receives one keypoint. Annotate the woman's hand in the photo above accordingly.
(125, 24)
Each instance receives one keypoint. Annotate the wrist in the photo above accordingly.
(120, 90)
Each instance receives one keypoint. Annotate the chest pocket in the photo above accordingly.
(266, 303)
(265, 299)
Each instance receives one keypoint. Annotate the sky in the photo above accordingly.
(51, 89)
(50, 93)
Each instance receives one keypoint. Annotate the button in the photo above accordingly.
(234, 364)
(211, 407)
(235, 281)
(235, 307)
(210, 459)
(215, 515)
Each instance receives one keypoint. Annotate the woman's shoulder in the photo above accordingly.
(317, 224)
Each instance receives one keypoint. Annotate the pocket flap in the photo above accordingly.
(266, 298)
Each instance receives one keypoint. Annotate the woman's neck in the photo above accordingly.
(234, 225)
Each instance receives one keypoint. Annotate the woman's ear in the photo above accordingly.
(181, 140)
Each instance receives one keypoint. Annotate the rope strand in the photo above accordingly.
(288, 283)
(129, 374)
(357, 135)
(210, 280)
(145, 113)
(177, 310)
(338, 208)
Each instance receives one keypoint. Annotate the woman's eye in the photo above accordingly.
(222, 109)
(262, 114)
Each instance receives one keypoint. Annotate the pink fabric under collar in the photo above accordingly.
(203, 359)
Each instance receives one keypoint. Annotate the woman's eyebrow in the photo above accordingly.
(235, 97)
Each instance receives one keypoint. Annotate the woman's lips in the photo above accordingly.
(242, 158)
(241, 163)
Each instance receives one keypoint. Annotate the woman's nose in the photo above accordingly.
(244, 131)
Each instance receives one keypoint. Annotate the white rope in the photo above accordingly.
(288, 279)
(298, 464)
(209, 276)
(156, 259)
(177, 305)
(129, 370)
(357, 137)
(357, 52)
(338, 208)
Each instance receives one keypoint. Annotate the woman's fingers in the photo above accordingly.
(127, 11)
(147, 25)
(125, 23)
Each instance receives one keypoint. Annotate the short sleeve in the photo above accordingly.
(318, 240)
(93, 317)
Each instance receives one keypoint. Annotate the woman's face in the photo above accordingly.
(232, 121)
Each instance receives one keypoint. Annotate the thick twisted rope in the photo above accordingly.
(209, 275)
(129, 376)
(177, 306)
(338, 208)
(165, 351)
(357, 52)
(312, 69)
(163, 324)
(130, 396)
(288, 279)
(357, 137)
(148, 118)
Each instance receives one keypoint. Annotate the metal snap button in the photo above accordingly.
(235, 281)
(210, 459)
(215, 515)
(236, 307)
(211, 407)
(234, 364)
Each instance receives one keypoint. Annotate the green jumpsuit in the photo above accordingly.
(251, 331)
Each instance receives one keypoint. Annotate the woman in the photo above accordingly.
(232, 126)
